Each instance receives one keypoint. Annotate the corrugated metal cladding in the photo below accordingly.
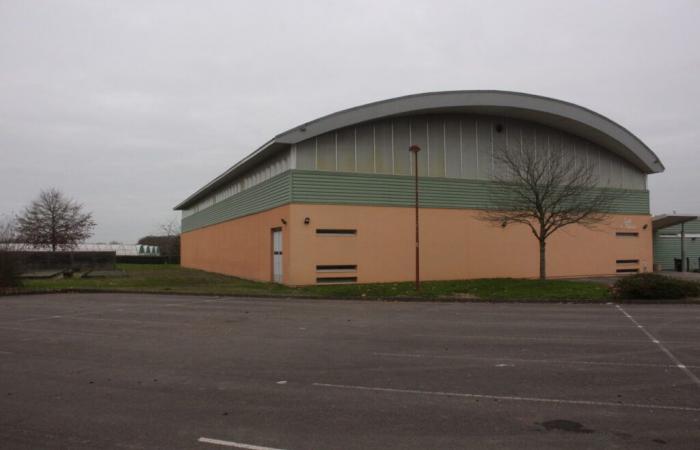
(265, 171)
(387, 190)
(667, 245)
(453, 146)
(268, 194)
(303, 186)
(667, 248)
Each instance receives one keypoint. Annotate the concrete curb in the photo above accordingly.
(690, 301)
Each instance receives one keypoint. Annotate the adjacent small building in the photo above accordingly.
(677, 240)
(331, 200)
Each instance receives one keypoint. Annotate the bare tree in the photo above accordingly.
(54, 221)
(171, 228)
(546, 191)
(8, 233)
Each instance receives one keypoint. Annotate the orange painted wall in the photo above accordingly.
(454, 245)
(240, 247)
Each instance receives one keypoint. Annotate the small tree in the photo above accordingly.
(546, 191)
(54, 221)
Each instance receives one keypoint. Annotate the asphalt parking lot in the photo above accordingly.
(82, 371)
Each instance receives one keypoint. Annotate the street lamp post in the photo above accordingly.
(414, 149)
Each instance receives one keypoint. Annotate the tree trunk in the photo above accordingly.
(543, 260)
(53, 233)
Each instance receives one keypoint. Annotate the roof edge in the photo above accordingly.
(613, 136)
(213, 183)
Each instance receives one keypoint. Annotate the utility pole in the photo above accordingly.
(414, 149)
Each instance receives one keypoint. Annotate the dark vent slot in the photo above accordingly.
(336, 280)
(336, 268)
(627, 234)
(627, 270)
(627, 261)
(335, 232)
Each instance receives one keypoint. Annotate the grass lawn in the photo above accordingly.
(175, 279)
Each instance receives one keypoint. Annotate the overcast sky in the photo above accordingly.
(129, 107)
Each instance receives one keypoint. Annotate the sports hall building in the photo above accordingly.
(331, 200)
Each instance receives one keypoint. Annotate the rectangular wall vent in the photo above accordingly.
(336, 268)
(627, 234)
(627, 261)
(336, 280)
(635, 270)
(335, 232)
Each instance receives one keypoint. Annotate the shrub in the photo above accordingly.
(9, 270)
(647, 286)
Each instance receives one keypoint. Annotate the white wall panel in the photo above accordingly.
(436, 146)
(325, 159)
(453, 155)
(419, 137)
(346, 149)
(453, 145)
(500, 142)
(306, 154)
(484, 136)
(402, 165)
(470, 158)
(383, 147)
(365, 148)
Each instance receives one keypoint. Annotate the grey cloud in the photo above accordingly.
(131, 106)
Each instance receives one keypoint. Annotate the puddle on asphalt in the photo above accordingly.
(565, 425)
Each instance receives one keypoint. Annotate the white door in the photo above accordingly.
(277, 256)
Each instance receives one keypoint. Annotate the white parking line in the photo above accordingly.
(567, 339)
(32, 319)
(525, 361)
(235, 444)
(661, 346)
(509, 397)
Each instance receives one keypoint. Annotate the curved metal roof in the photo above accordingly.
(558, 114)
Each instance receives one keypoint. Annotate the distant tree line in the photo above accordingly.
(56, 222)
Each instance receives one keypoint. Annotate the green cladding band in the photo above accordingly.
(318, 187)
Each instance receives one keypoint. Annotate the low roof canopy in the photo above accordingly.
(668, 220)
